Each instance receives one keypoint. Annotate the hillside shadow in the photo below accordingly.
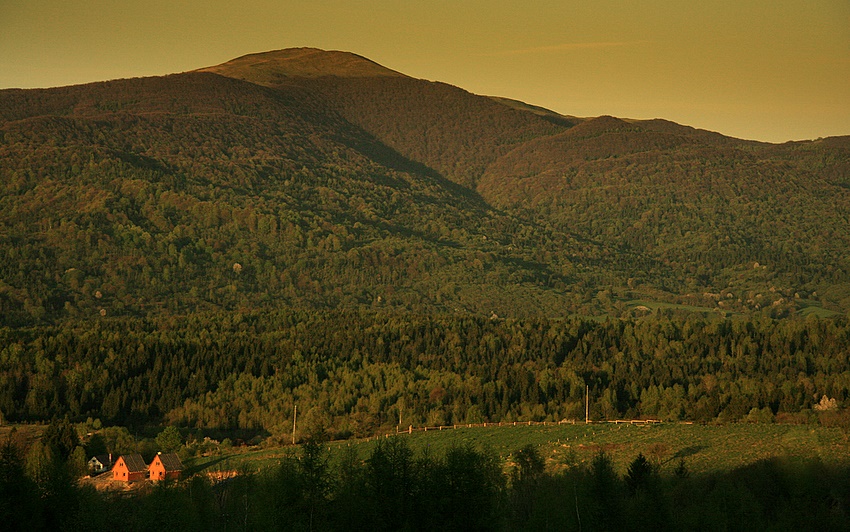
(189, 471)
(369, 146)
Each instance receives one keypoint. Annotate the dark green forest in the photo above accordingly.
(353, 373)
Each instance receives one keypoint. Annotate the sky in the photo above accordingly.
(771, 70)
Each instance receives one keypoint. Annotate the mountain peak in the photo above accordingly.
(273, 68)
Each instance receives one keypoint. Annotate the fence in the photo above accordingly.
(411, 429)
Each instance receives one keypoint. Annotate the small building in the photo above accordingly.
(165, 466)
(100, 464)
(129, 468)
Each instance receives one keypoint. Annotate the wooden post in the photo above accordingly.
(294, 418)
(586, 404)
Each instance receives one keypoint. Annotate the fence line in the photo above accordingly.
(411, 429)
(504, 424)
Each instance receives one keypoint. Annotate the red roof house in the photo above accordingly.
(165, 466)
(129, 468)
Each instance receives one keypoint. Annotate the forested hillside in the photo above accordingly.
(207, 248)
(317, 180)
(194, 192)
(682, 214)
(730, 220)
(445, 128)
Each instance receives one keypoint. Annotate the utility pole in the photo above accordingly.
(586, 404)
(294, 417)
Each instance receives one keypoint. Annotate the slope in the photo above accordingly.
(708, 207)
(304, 178)
(197, 192)
(443, 127)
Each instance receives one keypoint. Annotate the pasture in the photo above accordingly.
(704, 448)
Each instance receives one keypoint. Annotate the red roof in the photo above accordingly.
(135, 463)
(171, 462)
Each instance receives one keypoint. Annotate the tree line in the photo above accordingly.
(357, 372)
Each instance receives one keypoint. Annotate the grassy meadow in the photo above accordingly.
(704, 448)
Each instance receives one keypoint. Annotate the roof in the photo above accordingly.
(134, 462)
(171, 462)
(103, 459)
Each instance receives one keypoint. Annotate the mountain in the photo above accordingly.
(446, 128)
(705, 206)
(310, 179)
(275, 68)
(197, 192)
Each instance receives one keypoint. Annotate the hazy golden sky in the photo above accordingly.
(771, 70)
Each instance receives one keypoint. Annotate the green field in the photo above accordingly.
(655, 305)
(705, 448)
(818, 311)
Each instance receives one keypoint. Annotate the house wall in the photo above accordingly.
(120, 472)
(95, 466)
(158, 472)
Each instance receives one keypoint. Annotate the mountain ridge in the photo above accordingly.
(276, 67)
(334, 182)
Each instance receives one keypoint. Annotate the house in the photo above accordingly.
(129, 468)
(165, 466)
(100, 464)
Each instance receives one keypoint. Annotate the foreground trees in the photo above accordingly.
(394, 488)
